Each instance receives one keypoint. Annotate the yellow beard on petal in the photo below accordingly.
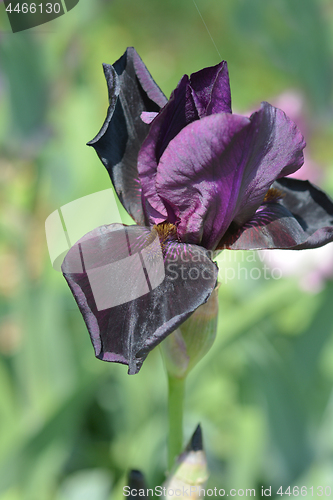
(273, 194)
(166, 232)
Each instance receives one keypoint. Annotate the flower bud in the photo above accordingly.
(136, 485)
(189, 475)
(184, 348)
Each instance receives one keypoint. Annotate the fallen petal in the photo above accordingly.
(133, 292)
(303, 218)
(312, 208)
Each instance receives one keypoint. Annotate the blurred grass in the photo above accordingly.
(70, 425)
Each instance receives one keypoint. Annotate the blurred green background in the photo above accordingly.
(70, 425)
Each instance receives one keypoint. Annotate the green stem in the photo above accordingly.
(175, 413)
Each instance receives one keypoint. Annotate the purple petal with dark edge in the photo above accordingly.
(198, 177)
(218, 170)
(273, 226)
(211, 90)
(159, 290)
(207, 91)
(274, 148)
(132, 90)
(312, 208)
(179, 111)
(302, 219)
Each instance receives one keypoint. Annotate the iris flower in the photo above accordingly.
(198, 179)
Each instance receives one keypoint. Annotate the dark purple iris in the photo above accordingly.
(197, 177)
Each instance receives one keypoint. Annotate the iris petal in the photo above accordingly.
(205, 92)
(274, 148)
(179, 111)
(198, 176)
(133, 291)
(273, 226)
(302, 219)
(312, 208)
(218, 170)
(211, 90)
(132, 90)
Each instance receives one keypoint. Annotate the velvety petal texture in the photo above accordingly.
(132, 90)
(133, 291)
(302, 218)
(195, 178)
(194, 98)
(201, 152)
(218, 169)
(274, 148)
(210, 90)
(203, 93)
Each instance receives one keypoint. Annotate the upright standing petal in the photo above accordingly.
(205, 92)
(211, 90)
(274, 148)
(132, 90)
(198, 177)
(179, 111)
(218, 169)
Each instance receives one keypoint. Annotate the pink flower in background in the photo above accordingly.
(312, 268)
(293, 104)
